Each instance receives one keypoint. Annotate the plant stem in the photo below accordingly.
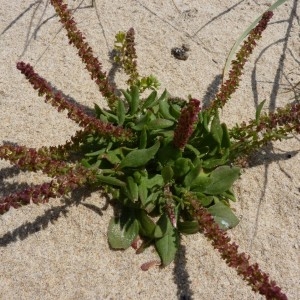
(257, 279)
(75, 113)
(85, 52)
(232, 83)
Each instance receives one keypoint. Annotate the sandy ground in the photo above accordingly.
(60, 250)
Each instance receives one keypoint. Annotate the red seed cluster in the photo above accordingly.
(232, 83)
(185, 126)
(256, 278)
(85, 52)
(75, 112)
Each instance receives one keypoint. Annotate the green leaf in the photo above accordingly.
(85, 163)
(139, 157)
(120, 37)
(168, 152)
(167, 245)
(215, 162)
(163, 226)
(112, 156)
(149, 204)
(159, 124)
(229, 195)
(147, 226)
(121, 112)
(194, 150)
(151, 99)
(163, 96)
(193, 174)
(167, 173)
(223, 216)
(222, 179)
(133, 189)
(155, 180)
(182, 166)
(104, 115)
(135, 99)
(98, 110)
(127, 96)
(96, 153)
(226, 139)
(216, 129)
(122, 231)
(143, 191)
(258, 111)
(175, 111)
(164, 107)
(188, 227)
(143, 139)
(204, 199)
(201, 182)
(244, 34)
(143, 121)
(110, 180)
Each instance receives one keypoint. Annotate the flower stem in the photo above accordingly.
(257, 279)
(232, 83)
(75, 113)
(85, 52)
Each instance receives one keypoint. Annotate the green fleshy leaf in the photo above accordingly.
(201, 182)
(193, 174)
(182, 166)
(127, 96)
(143, 121)
(155, 180)
(149, 204)
(112, 156)
(122, 231)
(175, 111)
(188, 227)
(139, 157)
(226, 139)
(164, 109)
(95, 153)
(223, 215)
(132, 188)
(121, 112)
(147, 226)
(204, 199)
(143, 191)
(258, 110)
(143, 139)
(216, 129)
(167, 245)
(135, 98)
(151, 99)
(159, 124)
(215, 162)
(168, 152)
(222, 179)
(163, 226)
(110, 180)
(167, 173)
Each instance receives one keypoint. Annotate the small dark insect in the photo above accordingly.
(181, 53)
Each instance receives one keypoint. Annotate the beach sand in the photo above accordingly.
(59, 250)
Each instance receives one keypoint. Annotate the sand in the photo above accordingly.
(59, 250)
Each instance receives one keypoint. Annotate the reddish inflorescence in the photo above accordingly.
(185, 126)
(256, 278)
(232, 83)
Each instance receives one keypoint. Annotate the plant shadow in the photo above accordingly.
(52, 215)
(181, 276)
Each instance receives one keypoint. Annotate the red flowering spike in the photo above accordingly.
(185, 126)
